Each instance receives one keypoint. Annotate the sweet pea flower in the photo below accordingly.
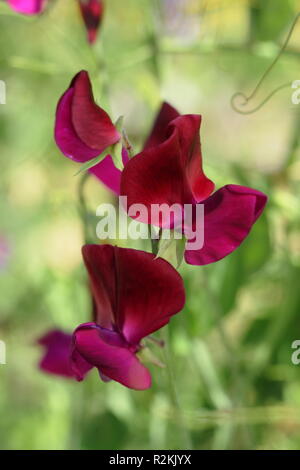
(92, 13)
(76, 109)
(169, 171)
(27, 7)
(135, 295)
(83, 130)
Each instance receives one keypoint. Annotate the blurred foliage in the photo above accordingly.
(231, 346)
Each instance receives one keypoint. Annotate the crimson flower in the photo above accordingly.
(169, 171)
(134, 295)
(27, 7)
(83, 130)
(92, 13)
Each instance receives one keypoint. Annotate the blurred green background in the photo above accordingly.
(231, 347)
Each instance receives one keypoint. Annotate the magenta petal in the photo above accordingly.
(91, 123)
(57, 357)
(65, 136)
(27, 7)
(106, 350)
(228, 218)
(133, 290)
(71, 146)
(82, 366)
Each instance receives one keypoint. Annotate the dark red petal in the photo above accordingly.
(70, 145)
(65, 136)
(139, 291)
(57, 357)
(158, 133)
(170, 173)
(188, 127)
(156, 176)
(150, 292)
(92, 12)
(100, 262)
(91, 123)
(105, 350)
(228, 218)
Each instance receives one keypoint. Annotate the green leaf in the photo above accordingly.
(116, 149)
(257, 249)
(116, 155)
(87, 165)
(116, 152)
(171, 249)
(119, 124)
(232, 279)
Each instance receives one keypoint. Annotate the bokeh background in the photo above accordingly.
(231, 347)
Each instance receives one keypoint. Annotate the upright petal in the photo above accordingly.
(100, 264)
(158, 133)
(156, 176)
(65, 136)
(107, 351)
(72, 146)
(27, 7)
(57, 357)
(228, 218)
(140, 292)
(83, 130)
(188, 127)
(92, 12)
(91, 123)
(169, 173)
(150, 292)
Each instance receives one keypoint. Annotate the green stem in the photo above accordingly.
(83, 210)
(179, 417)
(232, 357)
(154, 241)
(260, 105)
(272, 65)
(294, 142)
(167, 357)
(263, 77)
